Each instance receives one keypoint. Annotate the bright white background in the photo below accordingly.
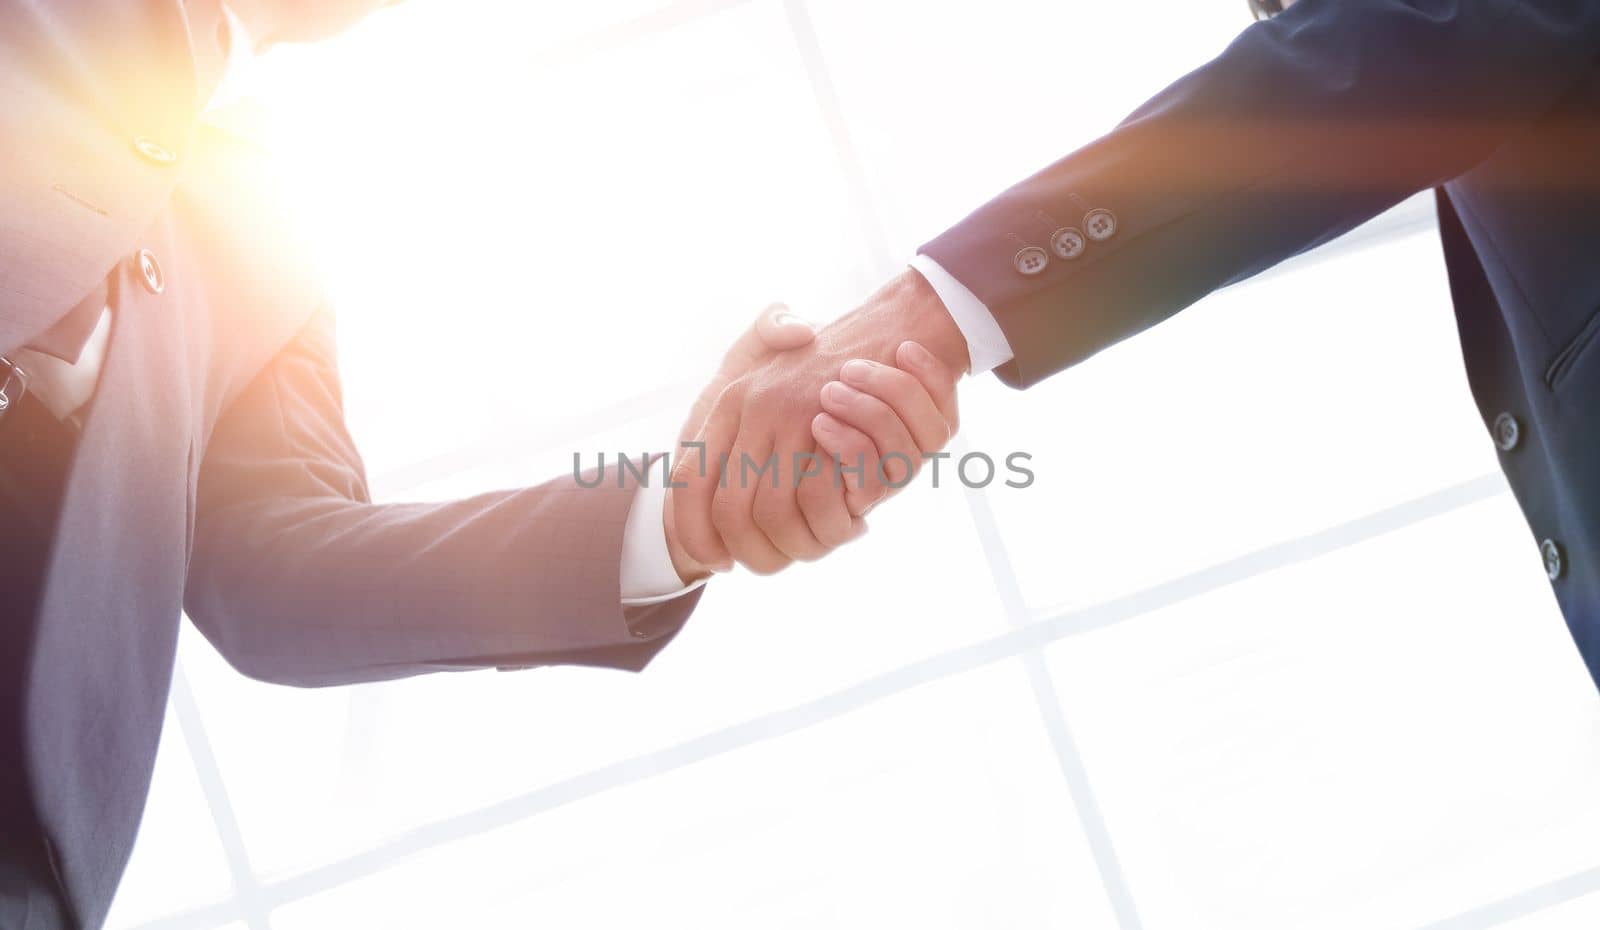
(1267, 645)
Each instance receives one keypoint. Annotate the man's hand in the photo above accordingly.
(741, 501)
(775, 330)
(891, 415)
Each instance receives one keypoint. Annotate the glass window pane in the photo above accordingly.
(317, 773)
(940, 807)
(539, 241)
(1384, 736)
(977, 96)
(1266, 412)
(1563, 915)
(531, 236)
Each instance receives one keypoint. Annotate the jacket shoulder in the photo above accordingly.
(241, 241)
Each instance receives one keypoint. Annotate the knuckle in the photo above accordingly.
(834, 533)
(702, 551)
(767, 564)
(813, 551)
(800, 544)
(732, 395)
(865, 498)
(811, 493)
(726, 513)
(816, 502)
(929, 437)
(693, 524)
(770, 514)
(836, 538)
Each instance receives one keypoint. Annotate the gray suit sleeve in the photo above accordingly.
(297, 577)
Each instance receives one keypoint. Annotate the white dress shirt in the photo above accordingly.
(64, 387)
(987, 347)
(648, 575)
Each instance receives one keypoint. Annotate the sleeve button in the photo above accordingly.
(1031, 260)
(1068, 243)
(1554, 561)
(1100, 224)
(154, 151)
(150, 272)
(1507, 431)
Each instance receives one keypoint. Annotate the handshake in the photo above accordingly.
(801, 432)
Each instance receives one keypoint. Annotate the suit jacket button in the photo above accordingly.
(1507, 432)
(1031, 260)
(1067, 243)
(150, 272)
(154, 151)
(1100, 224)
(1554, 561)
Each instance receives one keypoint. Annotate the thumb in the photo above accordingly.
(779, 328)
(776, 329)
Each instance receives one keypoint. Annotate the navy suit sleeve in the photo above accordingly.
(1305, 126)
(297, 577)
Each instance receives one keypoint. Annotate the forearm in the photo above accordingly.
(318, 590)
(297, 577)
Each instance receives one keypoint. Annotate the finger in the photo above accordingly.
(695, 479)
(781, 329)
(776, 511)
(898, 454)
(776, 329)
(912, 403)
(939, 379)
(822, 502)
(732, 509)
(854, 448)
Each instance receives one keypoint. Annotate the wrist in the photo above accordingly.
(906, 308)
(928, 321)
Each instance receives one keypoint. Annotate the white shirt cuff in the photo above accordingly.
(647, 574)
(986, 341)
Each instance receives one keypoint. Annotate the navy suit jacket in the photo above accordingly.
(214, 471)
(1304, 127)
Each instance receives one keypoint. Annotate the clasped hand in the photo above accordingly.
(800, 432)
